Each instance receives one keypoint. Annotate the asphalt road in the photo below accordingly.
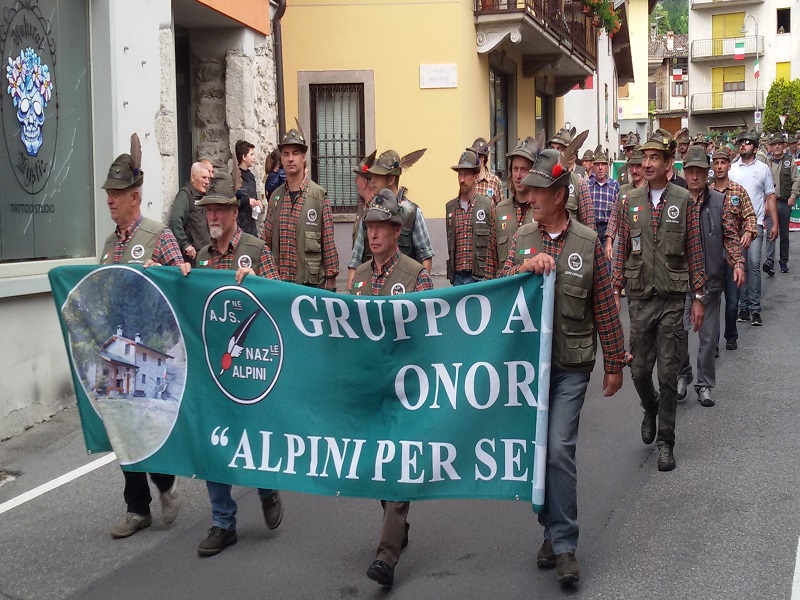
(724, 524)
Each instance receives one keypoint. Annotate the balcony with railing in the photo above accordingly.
(562, 44)
(703, 4)
(743, 100)
(725, 48)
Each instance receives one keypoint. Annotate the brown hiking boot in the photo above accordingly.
(129, 524)
(546, 558)
(273, 510)
(567, 569)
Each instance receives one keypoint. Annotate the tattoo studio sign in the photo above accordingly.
(438, 394)
(29, 95)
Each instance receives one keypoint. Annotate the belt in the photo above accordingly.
(463, 272)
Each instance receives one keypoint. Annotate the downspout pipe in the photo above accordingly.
(276, 28)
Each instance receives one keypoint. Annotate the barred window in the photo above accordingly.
(337, 140)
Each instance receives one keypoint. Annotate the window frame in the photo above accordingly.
(305, 79)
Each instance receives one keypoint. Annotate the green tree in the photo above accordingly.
(783, 98)
(671, 15)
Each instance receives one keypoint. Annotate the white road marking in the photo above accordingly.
(57, 482)
(796, 582)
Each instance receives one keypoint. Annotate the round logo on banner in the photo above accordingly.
(137, 251)
(312, 215)
(575, 261)
(243, 344)
(481, 215)
(673, 212)
(245, 262)
(398, 288)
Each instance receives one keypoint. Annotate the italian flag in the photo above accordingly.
(756, 70)
(504, 218)
(738, 50)
(527, 251)
(358, 284)
(203, 263)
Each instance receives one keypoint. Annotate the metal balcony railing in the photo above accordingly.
(709, 3)
(726, 47)
(741, 100)
(572, 27)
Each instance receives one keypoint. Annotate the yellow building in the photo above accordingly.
(633, 97)
(433, 74)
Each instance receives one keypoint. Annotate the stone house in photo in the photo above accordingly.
(129, 367)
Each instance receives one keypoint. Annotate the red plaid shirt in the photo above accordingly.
(462, 261)
(606, 316)
(585, 205)
(490, 182)
(613, 220)
(166, 252)
(265, 268)
(693, 245)
(287, 220)
(742, 212)
(379, 276)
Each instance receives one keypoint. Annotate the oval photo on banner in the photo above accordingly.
(129, 354)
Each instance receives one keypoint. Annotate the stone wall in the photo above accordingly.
(210, 117)
(166, 123)
(251, 110)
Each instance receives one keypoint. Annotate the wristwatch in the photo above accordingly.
(700, 296)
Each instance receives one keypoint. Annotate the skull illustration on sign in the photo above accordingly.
(30, 88)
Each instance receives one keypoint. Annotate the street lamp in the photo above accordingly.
(744, 30)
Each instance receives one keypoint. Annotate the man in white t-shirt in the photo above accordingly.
(755, 177)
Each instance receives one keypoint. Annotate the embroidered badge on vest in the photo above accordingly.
(527, 251)
(137, 251)
(245, 262)
(312, 215)
(673, 212)
(398, 288)
(481, 215)
(575, 261)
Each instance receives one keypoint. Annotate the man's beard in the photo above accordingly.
(215, 231)
(748, 155)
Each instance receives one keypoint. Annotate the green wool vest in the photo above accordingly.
(657, 264)
(784, 184)
(249, 246)
(310, 268)
(140, 247)
(574, 339)
(506, 225)
(481, 229)
(402, 279)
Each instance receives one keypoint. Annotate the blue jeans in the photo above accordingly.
(560, 514)
(462, 279)
(784, 212)
(223, 506)
(731, 307)
(750, 292)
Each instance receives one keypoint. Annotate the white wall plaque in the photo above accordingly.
(438, 76)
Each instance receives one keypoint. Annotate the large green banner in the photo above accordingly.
(438, 394)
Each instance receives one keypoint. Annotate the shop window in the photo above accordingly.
(46, 153)
(337, 140)
(500, 90)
